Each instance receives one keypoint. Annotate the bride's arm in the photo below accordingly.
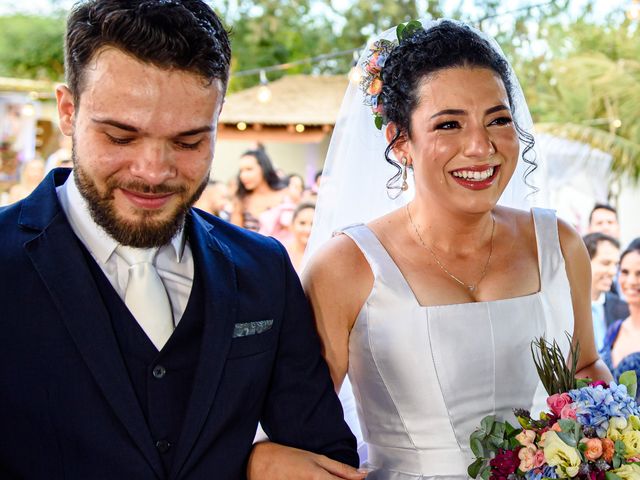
(578, 270)
(337, 282)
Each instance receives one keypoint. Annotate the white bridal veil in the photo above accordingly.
(353, 188)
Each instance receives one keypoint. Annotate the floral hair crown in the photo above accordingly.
(371, 83)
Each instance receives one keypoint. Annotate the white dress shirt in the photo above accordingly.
(599, 322)
(174, 261)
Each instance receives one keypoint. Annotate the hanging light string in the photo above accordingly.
(351, 51)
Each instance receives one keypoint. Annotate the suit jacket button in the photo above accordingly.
(159, 371)
(163, 446)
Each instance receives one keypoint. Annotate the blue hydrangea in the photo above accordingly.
(382, 59)
(544, 472)
(595, 405)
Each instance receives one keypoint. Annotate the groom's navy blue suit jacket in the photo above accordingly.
(67, 406)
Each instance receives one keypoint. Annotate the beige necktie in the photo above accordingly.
(146, 296)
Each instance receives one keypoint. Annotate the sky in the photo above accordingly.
(47, 6)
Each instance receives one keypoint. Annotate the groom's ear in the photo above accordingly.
(401, 146)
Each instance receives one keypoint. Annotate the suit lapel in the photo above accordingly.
(59, 261)
(219, 281)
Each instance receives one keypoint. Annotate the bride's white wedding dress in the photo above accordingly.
(424, 377)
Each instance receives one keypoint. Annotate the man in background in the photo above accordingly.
(606, 307)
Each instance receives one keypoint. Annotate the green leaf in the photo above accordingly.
(630, 380)
(399, 31)
(474, 469)
(510, 430)
(612, 476)
(378, 122)
(487, 422)
(619, 448)
(583, 382)
(617, 461)
(567, 426)
(485, 472)
(568, 438)
(477, 448)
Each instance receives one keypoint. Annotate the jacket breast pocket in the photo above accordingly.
(251, 344)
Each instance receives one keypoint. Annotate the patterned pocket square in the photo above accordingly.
(251, 328)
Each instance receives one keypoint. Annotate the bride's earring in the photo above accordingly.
(405, 186)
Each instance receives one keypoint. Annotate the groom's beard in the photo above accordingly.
(146, 231)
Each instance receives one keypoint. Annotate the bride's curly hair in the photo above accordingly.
(445, 45)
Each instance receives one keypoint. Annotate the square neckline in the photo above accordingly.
(408, 287)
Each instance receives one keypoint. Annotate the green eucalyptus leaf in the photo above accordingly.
(617, 461)
(619, 448)
(487, 423)
(612, 476)
(630, 380)
(485, 472)
(567, 426)
(477, 448)
(474, 469)
(568, 438)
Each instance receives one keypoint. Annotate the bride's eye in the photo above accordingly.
(449, 125)
(502, 121)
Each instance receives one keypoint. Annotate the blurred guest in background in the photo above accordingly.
(622, 344)
(31, 175)
(606, 307)
(295, 187)
(62, 156)
(261, 202)
(300, 229)
(604, 219)
(215, 199)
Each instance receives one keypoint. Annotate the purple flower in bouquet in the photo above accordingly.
(594, 405)
(504, 464)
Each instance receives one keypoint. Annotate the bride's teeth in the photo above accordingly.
(474, 175)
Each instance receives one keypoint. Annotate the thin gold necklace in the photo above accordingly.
(471, 287)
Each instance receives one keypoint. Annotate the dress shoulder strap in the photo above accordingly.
(382, 265)
(550, 259)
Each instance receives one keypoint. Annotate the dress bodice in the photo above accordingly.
(424, 376)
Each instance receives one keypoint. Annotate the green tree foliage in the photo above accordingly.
(32, 46)
(273, 32)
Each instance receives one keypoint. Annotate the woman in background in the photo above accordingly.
(300, 230)
(621, 351)
(261, 203)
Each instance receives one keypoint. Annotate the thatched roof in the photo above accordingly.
(41, 87)
(305, 99)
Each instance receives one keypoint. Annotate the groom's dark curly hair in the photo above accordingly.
(170, 34)
(426, 52)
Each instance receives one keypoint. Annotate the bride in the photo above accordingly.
(431, 308)
(430, 301)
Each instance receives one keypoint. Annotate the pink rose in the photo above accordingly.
(538, 459)
(556, 427)
(568, 411)
(557, 402)
(527, 456)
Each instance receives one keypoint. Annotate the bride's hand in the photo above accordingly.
(272, 461)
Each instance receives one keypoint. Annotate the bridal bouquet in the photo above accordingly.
(591, 430)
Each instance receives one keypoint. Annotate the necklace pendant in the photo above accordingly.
(471, 287)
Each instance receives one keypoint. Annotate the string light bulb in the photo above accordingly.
(355, 74)
(264, 92)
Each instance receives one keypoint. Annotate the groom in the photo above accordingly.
(139, 338)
